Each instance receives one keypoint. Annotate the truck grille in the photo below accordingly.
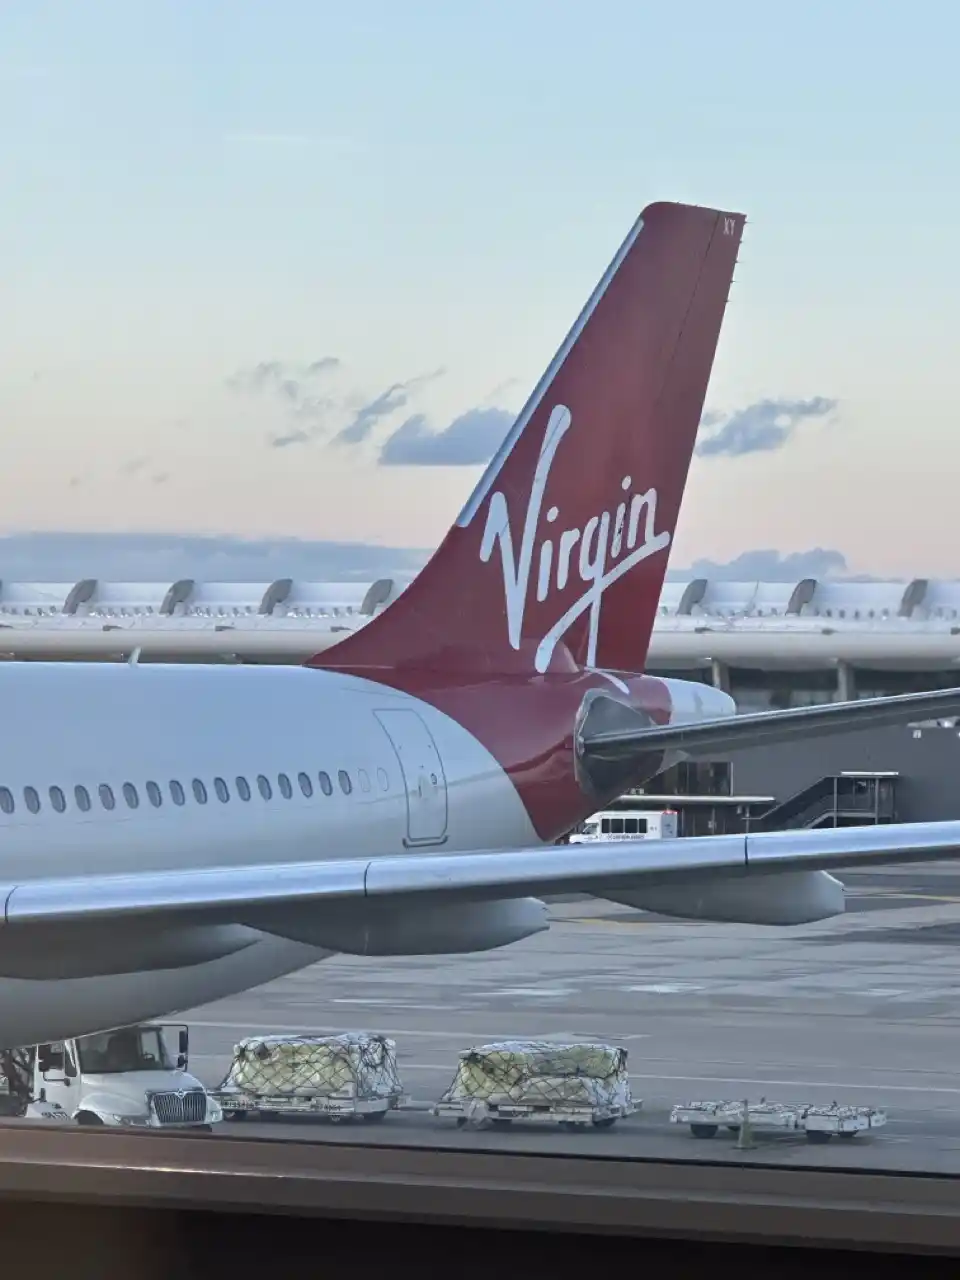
(187, 1106)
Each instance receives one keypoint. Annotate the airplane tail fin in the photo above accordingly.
(558, 558)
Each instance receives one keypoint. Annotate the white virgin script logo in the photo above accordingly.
(554, 563)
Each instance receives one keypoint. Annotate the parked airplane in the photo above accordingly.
(170, 835)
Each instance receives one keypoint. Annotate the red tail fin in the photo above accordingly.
(558, 559)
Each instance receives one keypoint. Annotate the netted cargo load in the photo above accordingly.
(354, 1064)
(541, 1075)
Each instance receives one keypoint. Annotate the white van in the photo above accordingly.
(616, 824)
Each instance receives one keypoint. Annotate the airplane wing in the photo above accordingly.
(215, 896)
(767, 728)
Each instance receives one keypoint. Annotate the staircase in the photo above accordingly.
(838, 800)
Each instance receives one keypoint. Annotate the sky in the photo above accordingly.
(286, 271)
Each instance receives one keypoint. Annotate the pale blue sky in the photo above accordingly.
(190, 189)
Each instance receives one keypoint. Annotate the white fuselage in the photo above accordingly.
(114, 768)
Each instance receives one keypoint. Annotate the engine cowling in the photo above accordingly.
(784, 898)
(396, 928)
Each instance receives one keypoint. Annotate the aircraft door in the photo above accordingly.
(423, 777)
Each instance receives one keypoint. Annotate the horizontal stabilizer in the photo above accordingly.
(766, 728)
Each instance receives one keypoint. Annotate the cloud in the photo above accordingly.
(768, 565)
(281, 376)
(397, 396)
(147, 557)
(293, 385)
(470, 440)
(762, 427)
(64, 556)
(133, 466)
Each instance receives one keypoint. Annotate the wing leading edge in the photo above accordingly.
(218, 895)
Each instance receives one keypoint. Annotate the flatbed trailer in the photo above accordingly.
(818, 1122)
(498, 1115)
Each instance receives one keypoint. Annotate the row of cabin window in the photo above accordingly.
(82, 798)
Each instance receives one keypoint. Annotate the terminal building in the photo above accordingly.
(770, 644)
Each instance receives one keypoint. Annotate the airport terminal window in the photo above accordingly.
(154, 795)
(286, 790)
(346, 786)
(58, 799)
(243, 788)
(306, 786)
(199, 791)
(263, 786)
(326, 786)
(106, 795)
(220, 787)
(176, 792)
(383, 779)
(364, 779)
(130, 795)
(6, 800)
(32, 799)
(82, 797)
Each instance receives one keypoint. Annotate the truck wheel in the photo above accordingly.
(704, 1130)
(375, 1117)
(818, 1136)
(606, 1123)
(88, 1117)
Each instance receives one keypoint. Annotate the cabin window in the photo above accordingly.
(82, 796)
(6, 800)
(263, 786)
(286, 790)
(199, 791)
(220, 787)
(32, 798)
(326, 786)
(130, 795)
(364, 779)
(243, 788)
(346, 786)
(383, 779)
(306, 786)
(106, 795)
(58, 799)
(177, 794)
(154, 795)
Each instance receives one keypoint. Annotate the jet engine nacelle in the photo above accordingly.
(784, 898)
(396, 928)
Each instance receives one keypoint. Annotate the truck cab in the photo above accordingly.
(131, 1076)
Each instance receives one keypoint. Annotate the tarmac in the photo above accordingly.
(862, 1009)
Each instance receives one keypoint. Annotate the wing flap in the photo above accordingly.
(221, 895)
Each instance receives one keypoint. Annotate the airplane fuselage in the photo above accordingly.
(160, 768)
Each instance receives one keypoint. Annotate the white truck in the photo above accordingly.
(620, 824)
(130, 1076)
